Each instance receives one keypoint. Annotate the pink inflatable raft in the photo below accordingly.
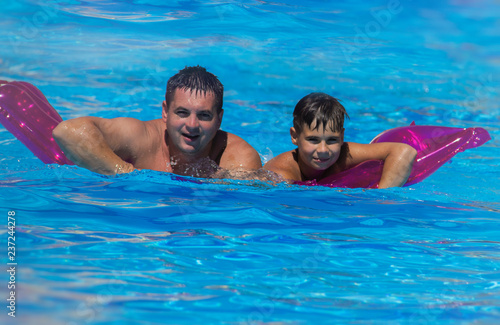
(26, 113)
(435, 146)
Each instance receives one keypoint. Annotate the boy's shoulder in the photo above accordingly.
(286, 165)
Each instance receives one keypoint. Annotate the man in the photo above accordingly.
(185, 141)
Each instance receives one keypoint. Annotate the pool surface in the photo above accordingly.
(152, 248)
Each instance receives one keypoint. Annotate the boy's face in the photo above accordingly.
(318, 148)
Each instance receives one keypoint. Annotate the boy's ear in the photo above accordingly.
(342, 135)
(164, 111)
(295, 135)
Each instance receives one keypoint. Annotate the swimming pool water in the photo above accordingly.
(151, 248)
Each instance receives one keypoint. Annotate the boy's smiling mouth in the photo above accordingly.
(321, 160)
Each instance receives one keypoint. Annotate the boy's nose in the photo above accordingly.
(322, 147)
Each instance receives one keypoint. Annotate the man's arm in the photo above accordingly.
(239, 161)
(285, 166)
(398, 160)
(239, 155)
(100, 145)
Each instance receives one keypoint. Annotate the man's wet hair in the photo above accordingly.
(321, 109)
(196, 79)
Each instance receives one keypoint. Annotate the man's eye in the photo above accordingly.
(205, 116)
(182, 113)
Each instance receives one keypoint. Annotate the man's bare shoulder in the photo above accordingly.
(130, 137)
(121, 131)
(285, 165)
(236, 142)
(236, 152)
(115, 130)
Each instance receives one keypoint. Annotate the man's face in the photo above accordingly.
(192, 122)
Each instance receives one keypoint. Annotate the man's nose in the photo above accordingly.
(192, 121)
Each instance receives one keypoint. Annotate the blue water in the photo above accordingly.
(152, 249)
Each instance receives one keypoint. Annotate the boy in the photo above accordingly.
(318, 133)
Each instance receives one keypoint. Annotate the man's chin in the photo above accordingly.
(189, 150)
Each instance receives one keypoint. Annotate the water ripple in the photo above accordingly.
(115, 12)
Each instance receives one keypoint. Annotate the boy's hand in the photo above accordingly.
(397, 165)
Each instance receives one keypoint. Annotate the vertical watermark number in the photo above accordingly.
(11, 262)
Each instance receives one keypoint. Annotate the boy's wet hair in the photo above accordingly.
(320, 108)
(196, 79)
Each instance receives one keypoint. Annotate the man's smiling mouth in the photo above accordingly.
(191, 137)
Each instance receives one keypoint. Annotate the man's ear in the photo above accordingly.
(164, 111)
(220, 114)
(295, 135)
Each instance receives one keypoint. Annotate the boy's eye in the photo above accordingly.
(312, 139)
(332, 140)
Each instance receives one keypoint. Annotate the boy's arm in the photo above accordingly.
(98, 144)
(398, 160)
